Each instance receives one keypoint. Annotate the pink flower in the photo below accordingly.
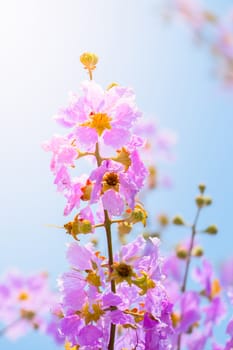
(98, 114)
(89, 307)
(25, 303)
(64, 153)
(116, 186)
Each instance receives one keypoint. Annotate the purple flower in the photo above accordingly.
(190, 311)
(101, 115)
(25, 303)
(64, 153)
(89, 307)
(215, 311)
(117, 186)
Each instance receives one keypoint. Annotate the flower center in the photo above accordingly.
(99, 122)
(23, 296)
(92, 315)
(124, 270)
(110, 181)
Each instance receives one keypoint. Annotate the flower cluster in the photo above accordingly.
(25, 303)
(190, 306)
(215, 31)
(118, 301)
(140, 309)
(100, 123)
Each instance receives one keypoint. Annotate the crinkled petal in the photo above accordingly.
(113, 202)
(79, 256)
(116, 137)
(89, 335)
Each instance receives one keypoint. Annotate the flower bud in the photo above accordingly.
(163, 220)
(197, 251)
(181, 252)
(139, 214)
(178, 220)
(153, 177)
(85, 226)
(212, 230)
(89, 60)
(202, 188)
(200, 201)
(146, 235)
(210, 17)
(208, 200)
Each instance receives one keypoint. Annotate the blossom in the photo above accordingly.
(25, 303)
(116, 186)
(98, 114)
(89, 306)
(192, 12)
(229, 331)
(64, 153)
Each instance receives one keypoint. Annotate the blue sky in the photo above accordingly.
(173, 79)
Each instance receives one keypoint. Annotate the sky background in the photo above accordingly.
(40, 43)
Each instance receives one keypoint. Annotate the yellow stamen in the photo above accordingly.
(68, 346)
(93, 315)
(122, 272)
(99, 122)
(23, 296)
(215, 288)
(175, 318)
(110, 182)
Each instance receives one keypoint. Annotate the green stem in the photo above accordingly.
(184, 284)
(107, 226)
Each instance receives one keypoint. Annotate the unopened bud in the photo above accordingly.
(163, 220)
(210, 17)
(197, 251)
(178, 220)
(181, 252)
(152, 177)
(208, 200)
(85, 226)
(212, 230)
(202, 188)
(146, 235)
(89, 60)
(139, 214)
(200, 201)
